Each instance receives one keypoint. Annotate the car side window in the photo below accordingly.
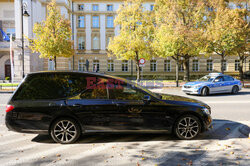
(218, 79)
(98, 92)
(51, 86)
(96, 88)
(125, 92)
(228, 78)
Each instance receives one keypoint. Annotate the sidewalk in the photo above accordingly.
(167, 84)
(145, 83)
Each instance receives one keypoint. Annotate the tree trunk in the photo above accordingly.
(241, 67)
(186, 68)
(221, 63)
(177, 71)
(138, 68)
(55, 62)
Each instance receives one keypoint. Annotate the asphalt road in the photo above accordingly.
(222, 145)
(224, 106)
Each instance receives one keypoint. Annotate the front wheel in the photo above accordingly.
(187, 127)
(204, 91)
(65, 130)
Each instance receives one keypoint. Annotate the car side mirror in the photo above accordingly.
(147, 98)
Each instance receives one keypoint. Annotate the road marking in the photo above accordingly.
(226, 102)
(201, 160)
(35, 156)
(72, 159)
(16, 140)
(18, 149)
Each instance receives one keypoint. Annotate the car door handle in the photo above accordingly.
(77, 105)
(120, 104)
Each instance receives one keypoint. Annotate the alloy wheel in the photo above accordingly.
(188, 128)
(65, 131)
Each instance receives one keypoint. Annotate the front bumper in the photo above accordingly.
(191, 90)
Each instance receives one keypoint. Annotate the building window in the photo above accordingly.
(181, 66)
(95, 7)
(80, 7)
(96, 66)
(81, 43)
(81, 65)
(10, 31)
(110, 65)
(237, 65)
(109, 7)
(96, 43)
(69, 65)
(51, 65)
(249, 64)
(81, 21)
(125, 65)
(153, 65)
(151, 7)
(95, 21)
(110, 22)
(224, 65)
(108, 38)
(195, 65)
(167, 65)
(209, 65)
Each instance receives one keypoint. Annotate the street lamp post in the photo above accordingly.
(23, 13)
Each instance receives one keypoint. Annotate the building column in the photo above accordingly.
(88, 33)
(103, 32)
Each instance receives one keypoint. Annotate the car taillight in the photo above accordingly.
(9, 108)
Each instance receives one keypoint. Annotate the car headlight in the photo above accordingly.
(197, 86)
(206, 111)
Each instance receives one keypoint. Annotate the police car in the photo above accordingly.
(213, 83)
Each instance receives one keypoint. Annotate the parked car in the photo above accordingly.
(213, 83)
(246, 75)
(67, 104)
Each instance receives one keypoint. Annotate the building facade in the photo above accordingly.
(93, 26)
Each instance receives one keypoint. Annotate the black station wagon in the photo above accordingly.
(68, 104)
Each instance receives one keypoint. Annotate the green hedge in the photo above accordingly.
(8, 84)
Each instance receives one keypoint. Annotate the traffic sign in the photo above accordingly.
(142, 61)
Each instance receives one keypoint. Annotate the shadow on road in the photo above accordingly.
(222, 130)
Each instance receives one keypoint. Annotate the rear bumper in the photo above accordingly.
(22, 127)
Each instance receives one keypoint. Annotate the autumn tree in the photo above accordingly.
(241, 34)
(221, 30)
(179, 25)
(53, 35)
(135, 35)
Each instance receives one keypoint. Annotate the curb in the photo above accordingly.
(245, 130)
(6, 91)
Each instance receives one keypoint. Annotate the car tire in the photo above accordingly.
(187, 127)
(65, 130)
(204, 91)
(235, 90)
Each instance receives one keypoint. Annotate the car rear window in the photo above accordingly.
(50, 86)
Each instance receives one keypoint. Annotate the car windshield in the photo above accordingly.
(206, 78)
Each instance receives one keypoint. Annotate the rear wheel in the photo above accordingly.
(187, 127)
(204, 91)
(65, 130)
(235, 90)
